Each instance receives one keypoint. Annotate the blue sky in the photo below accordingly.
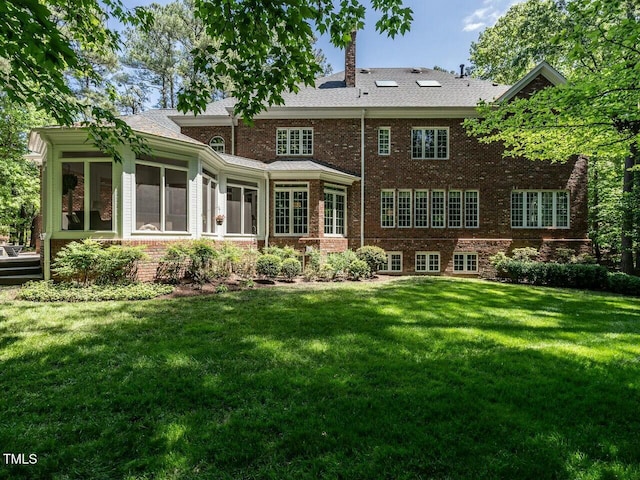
(441, 34)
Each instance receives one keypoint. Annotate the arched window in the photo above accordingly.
(217, 144)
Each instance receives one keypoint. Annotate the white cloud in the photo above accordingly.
(487, 15)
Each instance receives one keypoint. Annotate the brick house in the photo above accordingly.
(365, 157)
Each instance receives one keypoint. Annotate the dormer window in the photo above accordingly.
(217, 144)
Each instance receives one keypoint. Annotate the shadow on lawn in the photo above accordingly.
(405, 380)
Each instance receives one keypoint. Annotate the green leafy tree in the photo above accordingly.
(520, 40)
(19, 176)
(595, 113)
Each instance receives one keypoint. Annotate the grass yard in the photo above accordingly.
(414, 378)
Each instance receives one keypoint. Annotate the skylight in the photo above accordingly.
(428, 83)
(386, 83)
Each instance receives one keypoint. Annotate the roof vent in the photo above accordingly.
(365, 70)
(386, 83)
(416, 70)
(428, 83)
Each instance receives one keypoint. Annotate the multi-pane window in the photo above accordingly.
(387, 208)
(455, 209)
(208, 203)
(384, 141)
(394, 262)
(291, 209)
(242, 208)
(421, 208)
(428, 262)
(471, 209)
(334, 210)
(294, 141)
(404, 208)
(465, 262)
(87, 195)
(161, 197)
(430, 143)
(540, 209)
(437, 209)
(217, 144)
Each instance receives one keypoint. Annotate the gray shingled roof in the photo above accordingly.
(282, 165)
(454, 92)
(157, 124)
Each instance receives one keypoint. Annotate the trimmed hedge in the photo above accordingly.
(567, 275)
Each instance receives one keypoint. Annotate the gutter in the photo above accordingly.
(362, 177)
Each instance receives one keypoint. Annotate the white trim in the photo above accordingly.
(335, 191)
(544, 69)
(388, 152)
(465, 262)
(523, 193)
(393, 208)
(427, 255)
(435, 144)
(290, 188)
(220, 143)
(300, 131)
(389, 262)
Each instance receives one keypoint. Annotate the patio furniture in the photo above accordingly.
(12, 250)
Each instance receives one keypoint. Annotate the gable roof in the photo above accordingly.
(544, 69)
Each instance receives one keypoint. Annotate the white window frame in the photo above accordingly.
(444, 209)
(392, 208)
(423, 149)
(384, 141)
(460, 219)
(466, 206)
(217, 144)
(335, 191)
(523, 212)
(465, 260)
(87, 192)
(211, 200)
(301, 133)
(242, 188)
(291, 189)
(407, 212)
(427, 261)
(426, 208)
(387, 268)
(163, 167)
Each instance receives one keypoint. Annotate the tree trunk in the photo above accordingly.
(626, 262)
(594, 210)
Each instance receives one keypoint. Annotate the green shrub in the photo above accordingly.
(174, 263)
(315, 259)
(66, 292)
(358, 269)
(375, 257)
(570, 275)
(202, 254)
(625, 284)
(564, 255)
(526, 254)
(268, 265)
(88, 261)
(281, 252)
(310, 273)
(326, 273)
(290, 268)
(245, 267)
(77, 261)
(222, 288)
(340, 262)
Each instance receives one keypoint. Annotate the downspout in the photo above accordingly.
(266, 213)
(233, 130)
(362, 178)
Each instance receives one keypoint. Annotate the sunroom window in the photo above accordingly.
(208, 202)
(80, 195)
(161, 198)
(242, 208)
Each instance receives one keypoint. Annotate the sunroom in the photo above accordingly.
(183, 190)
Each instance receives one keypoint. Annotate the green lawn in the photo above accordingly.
(418, 378)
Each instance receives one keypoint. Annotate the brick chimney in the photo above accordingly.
(350, 62)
